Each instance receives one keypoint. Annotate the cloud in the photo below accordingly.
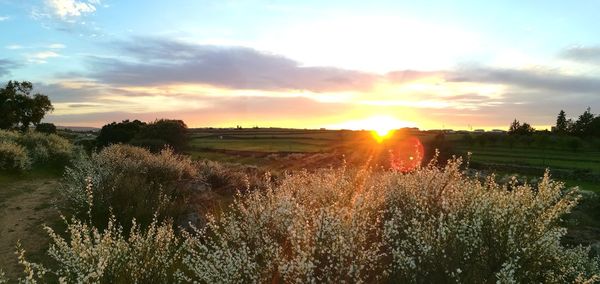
(411, 75)
(65, 9)
(56, 46)
(14, 46)
(160, 61)
(41, 57)
(583, 54)
(529, 79)
(6, 65)
(4, 18)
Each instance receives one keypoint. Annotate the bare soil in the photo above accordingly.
(25, 205)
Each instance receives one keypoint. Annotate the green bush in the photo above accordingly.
(13, 157)
(432, 225)
(9, 136)
(47, 149)
(130, 181)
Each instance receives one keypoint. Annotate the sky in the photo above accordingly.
(306, 64)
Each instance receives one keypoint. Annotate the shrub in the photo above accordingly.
(131, 181)
(173, 132)
(122, 132)
(47, 148)
(153, 145)
(48, 128)
(89, 255)
(13, 157)
(231, 178)
(432, 225)
(9, 136)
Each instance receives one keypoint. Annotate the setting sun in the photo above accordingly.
(382, 132)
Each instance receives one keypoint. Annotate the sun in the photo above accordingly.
(381, 126)
(381, 133)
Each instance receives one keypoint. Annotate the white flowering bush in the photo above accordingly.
(431, 225)
(13, 157)
(130, 182)
(428, 226)
(90, 255)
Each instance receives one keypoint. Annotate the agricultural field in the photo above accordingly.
(577, 168)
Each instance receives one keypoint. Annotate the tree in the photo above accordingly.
(19, 108)
(122, 132)
(46, 128)
(516, 128)
(562, 125)
(583, 124)
(163, 132)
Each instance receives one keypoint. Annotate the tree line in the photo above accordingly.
(20, 109)
(587, 125)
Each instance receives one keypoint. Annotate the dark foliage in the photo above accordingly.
(153, 136)
(587, 125)
(516, 128)
(173, 133)
(122, 132)
(19, 108)
(46, 128)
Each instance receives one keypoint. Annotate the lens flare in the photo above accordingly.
(407, 155)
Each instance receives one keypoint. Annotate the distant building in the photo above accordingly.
(498, 131)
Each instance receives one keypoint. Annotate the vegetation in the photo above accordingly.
(20, 151)
(130, 182)
(19, 108)
(341, 225)
(517, 128)
(13, 157)
(153, 136)
(586, 125)
(46, 128)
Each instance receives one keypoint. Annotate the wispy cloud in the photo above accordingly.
(590, 54)
(4, 18)
(161, 61)
(6, 66)
(14, 46)
(57, 46)
(538, 80)
(65, 9)
(41, 57)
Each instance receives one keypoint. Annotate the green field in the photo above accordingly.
(261, 144)
(252, 146)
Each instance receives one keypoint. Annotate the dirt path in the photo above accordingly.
(24, 206)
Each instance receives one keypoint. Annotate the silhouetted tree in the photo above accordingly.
(163, 132)
(562, 125)
(19, 108)
(122, 132)
(46, 128)
(516, 128)
(582, 126)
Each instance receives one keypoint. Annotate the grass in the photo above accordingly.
(260, 145)
(535, 157)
